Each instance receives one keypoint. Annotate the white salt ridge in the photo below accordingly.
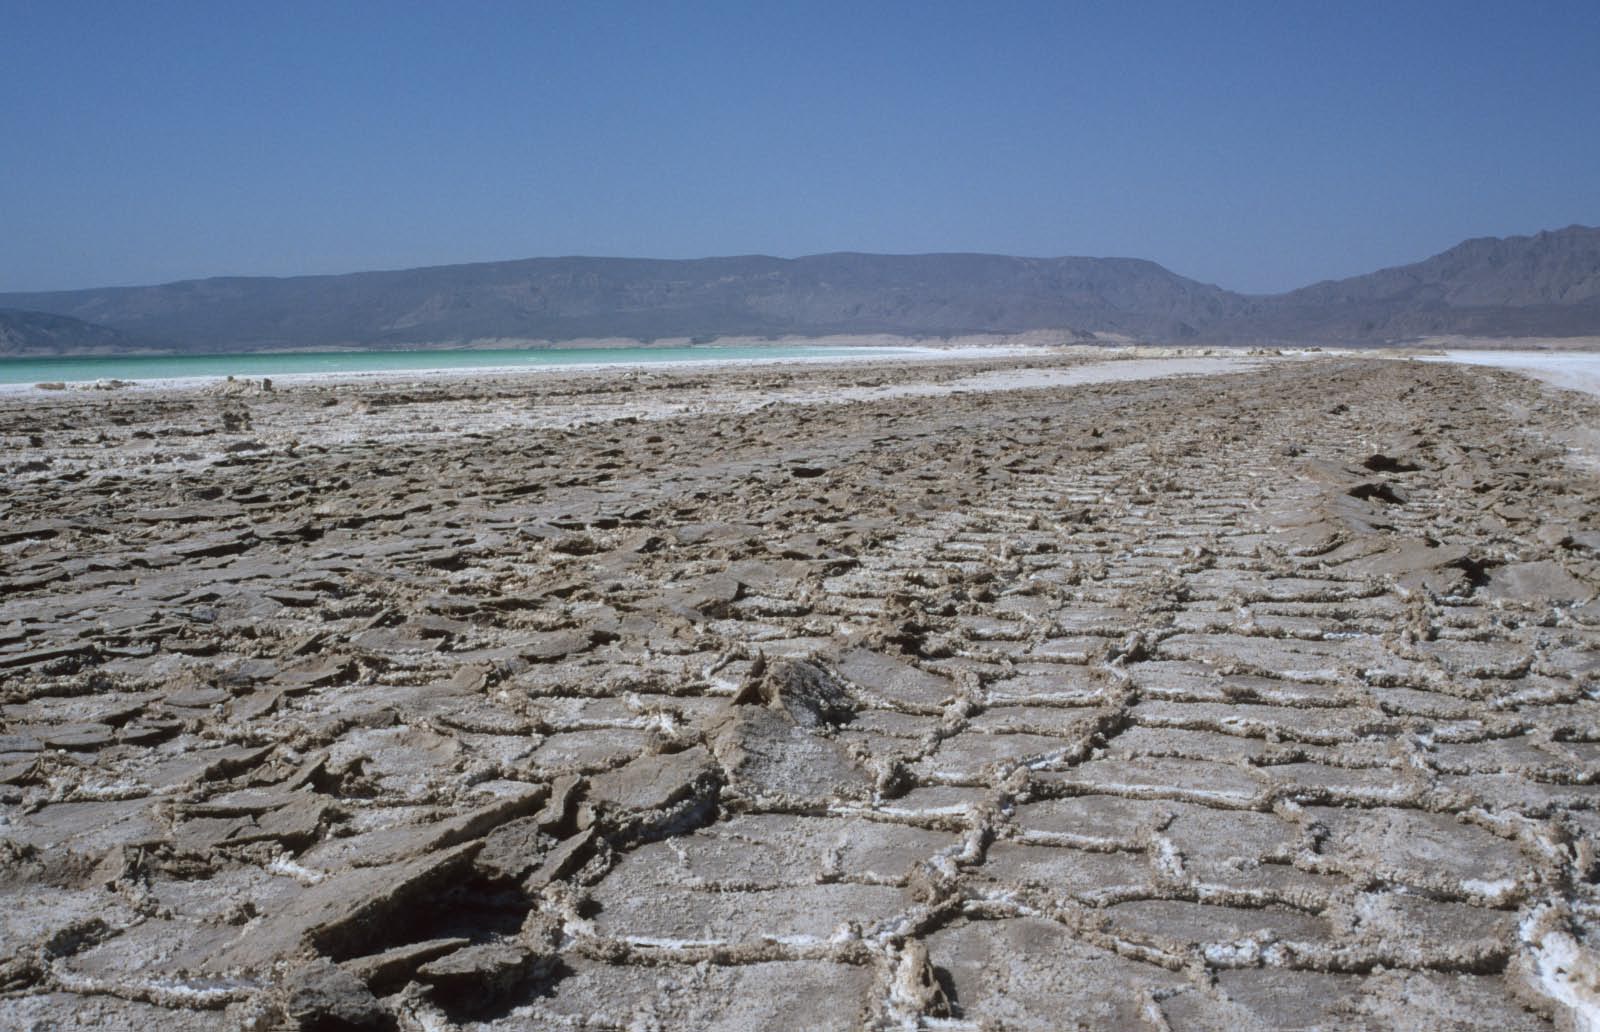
(1571, 370)
(1493, 892)
(286, 866)
(660, 943)
(1562, 968)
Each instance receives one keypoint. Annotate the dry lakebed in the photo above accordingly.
(1043, 691)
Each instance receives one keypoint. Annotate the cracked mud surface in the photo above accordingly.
(1261, 700)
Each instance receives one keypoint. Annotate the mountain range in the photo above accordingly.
(41, 333)
(1547, 284)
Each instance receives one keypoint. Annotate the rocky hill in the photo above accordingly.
(557, 299)
(24, 333)
(1547, 284)
(1542, 285)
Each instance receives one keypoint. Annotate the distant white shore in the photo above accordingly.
(1571, 370)
(787, 354)
(467, 372)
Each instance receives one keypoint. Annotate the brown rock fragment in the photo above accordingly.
(389, 970)
(810, 695)
(563, 860)
(472, 980)
(343, 915)
(514, 849)
(322, 997)
(657, 795)
(651, 782)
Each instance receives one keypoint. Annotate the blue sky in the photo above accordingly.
(1261, 146)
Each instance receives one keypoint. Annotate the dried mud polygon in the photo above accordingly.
(1259, 700)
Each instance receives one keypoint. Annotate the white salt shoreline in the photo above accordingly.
(1571, 370)
(456, 373)
(1153, 360)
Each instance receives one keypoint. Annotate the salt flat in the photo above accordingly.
(1008, 692)
(1572, 370)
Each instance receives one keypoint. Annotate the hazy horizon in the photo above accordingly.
(1259, 149)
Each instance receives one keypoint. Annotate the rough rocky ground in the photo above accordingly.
(1264, 700)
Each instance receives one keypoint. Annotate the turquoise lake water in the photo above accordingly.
(172, 367)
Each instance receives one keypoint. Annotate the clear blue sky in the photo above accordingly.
(1256, 145)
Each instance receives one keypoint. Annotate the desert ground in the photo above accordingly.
(1175, 692)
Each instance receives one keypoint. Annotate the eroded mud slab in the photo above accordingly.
(829, 698)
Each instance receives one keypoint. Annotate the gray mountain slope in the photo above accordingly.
(42, 333)
(1547, 284)
(568, 298)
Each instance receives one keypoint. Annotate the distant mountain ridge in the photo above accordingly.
(24, 333)
(1546, 284)
(1542, 285)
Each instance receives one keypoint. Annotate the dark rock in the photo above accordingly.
(1378, 490)
(563, 860)
(652, 782)
(809, 694)
(474, 980)
(345, 914)
(401, 842)
(389, 970)
(557, 815)
(514, 849)
(1381, 463)
(297, 824)
(322, 997)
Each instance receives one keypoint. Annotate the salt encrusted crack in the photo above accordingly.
(1262, 689)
